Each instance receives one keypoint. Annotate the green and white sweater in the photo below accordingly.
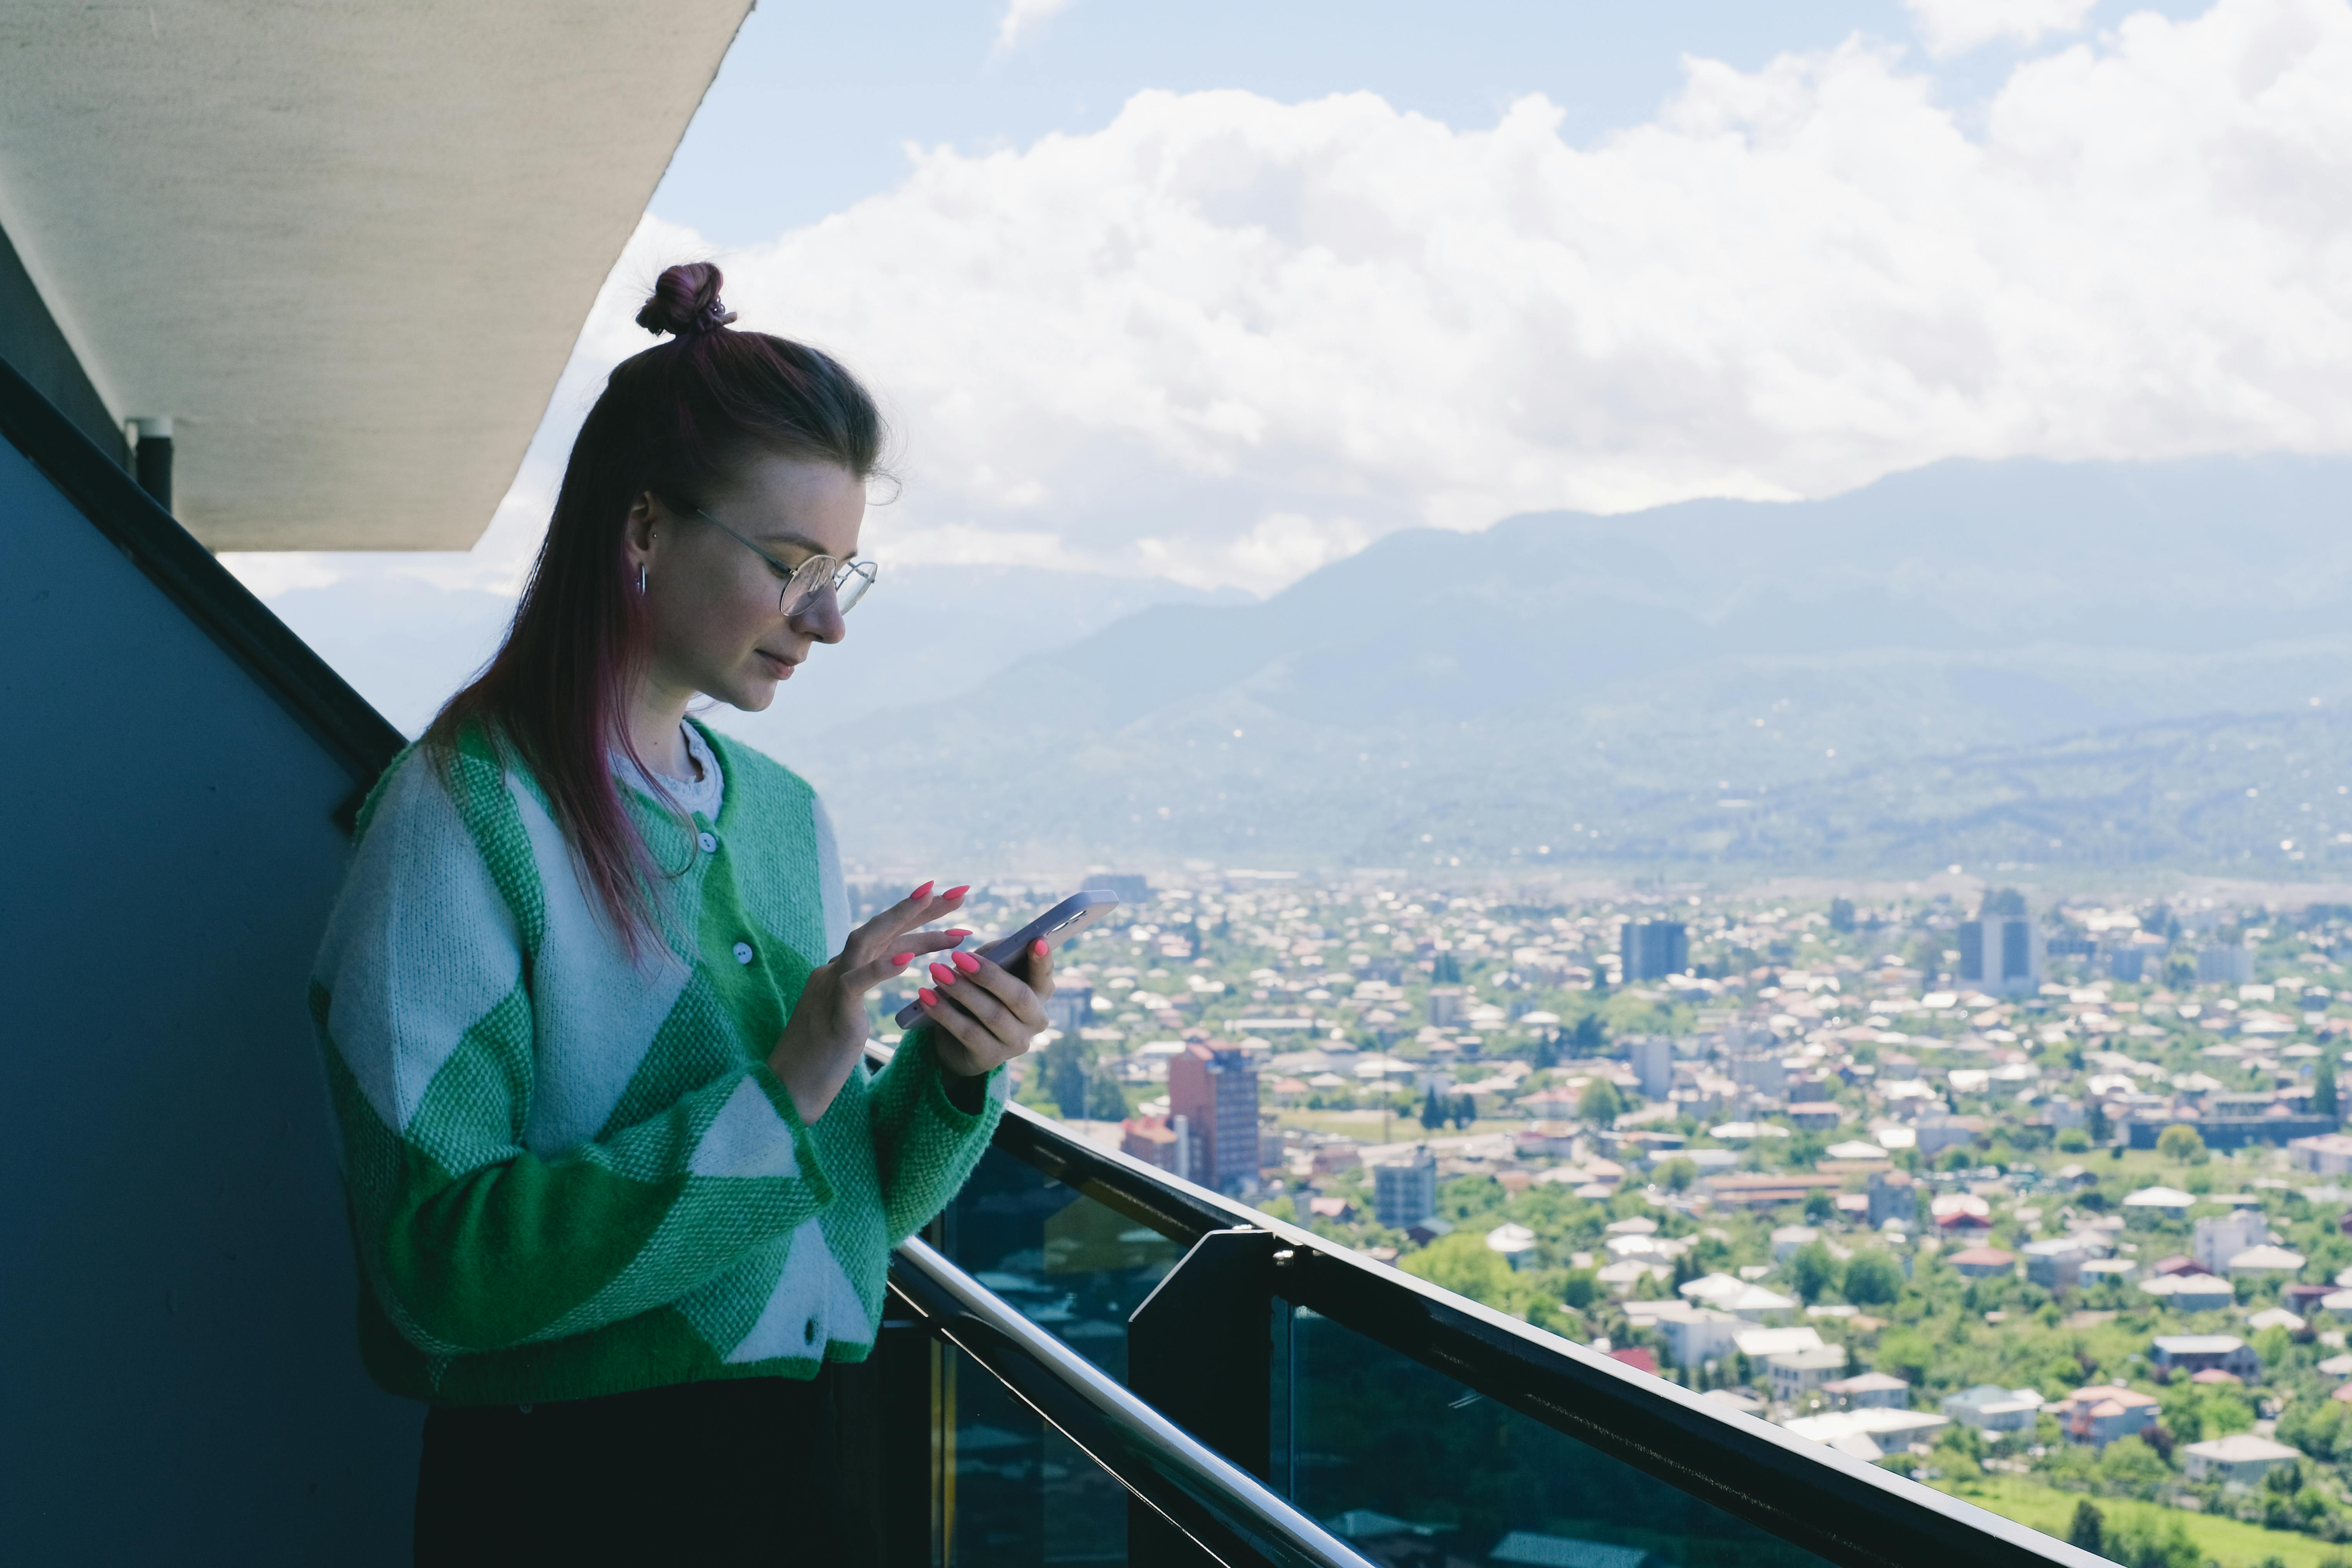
(570, 1175)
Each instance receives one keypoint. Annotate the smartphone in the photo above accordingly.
(1057, 925)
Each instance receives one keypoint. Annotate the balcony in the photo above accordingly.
(1088, 1361)
(1084, 1359)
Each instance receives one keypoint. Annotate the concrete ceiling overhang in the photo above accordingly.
(345, 248)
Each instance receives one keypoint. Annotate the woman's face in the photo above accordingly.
(718, 623)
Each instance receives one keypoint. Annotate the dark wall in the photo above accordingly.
(179, 1382)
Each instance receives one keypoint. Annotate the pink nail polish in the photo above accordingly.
(1038, 947)
(926, 997)
(902, 958)
(920, 891)
(943, 974)
(957, 893)
(959, 935)
(967, 962)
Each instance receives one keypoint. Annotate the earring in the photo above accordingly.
(641, 579)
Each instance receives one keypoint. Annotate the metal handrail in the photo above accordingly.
(1810, 1495)
(1146, 1451)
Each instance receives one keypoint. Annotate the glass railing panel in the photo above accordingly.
(1071, 1265)
(1413, 1467)
(1018, 1493)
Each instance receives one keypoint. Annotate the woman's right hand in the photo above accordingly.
(826, 1033)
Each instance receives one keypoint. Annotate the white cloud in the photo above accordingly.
(1023, 16)
(1219, 308)
(1225, 339)
(1956, 26)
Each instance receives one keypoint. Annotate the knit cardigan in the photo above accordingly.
(568, 1173)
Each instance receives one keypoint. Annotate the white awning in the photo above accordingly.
(344, 249)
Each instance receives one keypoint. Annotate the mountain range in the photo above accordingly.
(2023, 662)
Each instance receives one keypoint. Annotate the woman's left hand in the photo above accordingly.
(984, 1015)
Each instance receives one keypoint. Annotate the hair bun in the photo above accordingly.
(685, 301)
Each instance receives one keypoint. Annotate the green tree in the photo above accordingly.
(1820, 1207)
(2089, 1528)
(2320, 1427)
(1432, 1114)
(1599, 1102)
(1466, 1111)
(1677, 1175)
(1906, 1352)
(1560, 1318)
(1872, 1278)
(1578, 1289)
(2180, 1144)
(1464, 1264)
(2129, 1468)
(2155, 1538)
(1066, 1061)
(1811, 1269)
(2322, 1086)
(1841, 914)
(1105, 1101)
(2095, 1122)
(2072, 1140)
(1590, 1037)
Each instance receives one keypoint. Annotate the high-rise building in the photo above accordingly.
(1214, 1089)
(2213, 1242)
(1651, 950)
(1762, 1070)
(1894, 1194)
(2000, 954)
(1071, 1008)
(2224, 964)
(1405, 1192)
(1653, 1057)
(1130, 888)
(1449, 1007)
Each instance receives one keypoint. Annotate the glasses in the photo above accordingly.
(848, 580)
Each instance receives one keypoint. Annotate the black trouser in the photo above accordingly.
(749, 1467)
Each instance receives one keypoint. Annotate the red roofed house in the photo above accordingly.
(1638, 1357)
(2100, 1414)
(1983, 1262)
(1150, 1140)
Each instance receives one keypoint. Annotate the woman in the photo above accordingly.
(594, 1019)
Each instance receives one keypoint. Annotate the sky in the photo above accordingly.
(1220, 293)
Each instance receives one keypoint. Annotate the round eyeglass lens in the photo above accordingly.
(848, 579)
(850, 586)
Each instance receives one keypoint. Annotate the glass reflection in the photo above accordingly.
(1018, 1494)
(1066, 1261)
(1419, 1472)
